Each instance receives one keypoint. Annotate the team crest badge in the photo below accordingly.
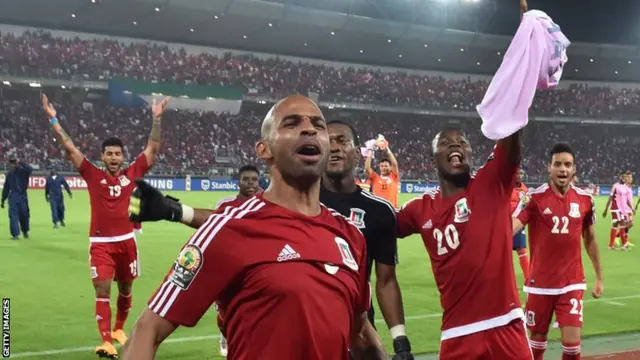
(186, 267)
(574, 210)
(347, 256)
(357, 217)
(462, 211)
(124, 181)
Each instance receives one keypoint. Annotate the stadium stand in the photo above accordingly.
(195, 139)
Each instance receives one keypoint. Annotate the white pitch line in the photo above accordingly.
(212, 337)
(616, 303)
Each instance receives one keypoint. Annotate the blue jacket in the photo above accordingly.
(53, 187)
(17, 183)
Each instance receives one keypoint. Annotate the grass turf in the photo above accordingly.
(52, 301)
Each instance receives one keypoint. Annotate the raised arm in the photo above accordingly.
(24, 168)
(70, 149)
(153, 145)
(512, 145)
(367, 163)
(393, 161)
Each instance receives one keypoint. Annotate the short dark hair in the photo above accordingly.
(248, 167)
(562, 148)
(354, 133)
(385, 160)
(112, 141)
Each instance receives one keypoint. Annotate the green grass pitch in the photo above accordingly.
(52, 301)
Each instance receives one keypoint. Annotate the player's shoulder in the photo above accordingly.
(539, 191)
(375, 203)
(428, 196)
(341, 221)
(231, 200)
(584, 194)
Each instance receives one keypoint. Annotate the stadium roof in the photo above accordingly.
(396, 33)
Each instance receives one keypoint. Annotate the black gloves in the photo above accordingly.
(148, 204)
(402, 348)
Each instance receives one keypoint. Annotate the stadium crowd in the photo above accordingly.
(39, 54)
(192, 140)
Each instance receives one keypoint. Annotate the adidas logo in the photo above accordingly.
(103, 182)
(546, 211)
(427, 225)
(287, 253)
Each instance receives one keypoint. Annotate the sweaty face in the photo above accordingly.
(562, 169)
(344, 153)
(113, 157)
(249, 183)
(385, 168)
(453, 156)
(298, 146)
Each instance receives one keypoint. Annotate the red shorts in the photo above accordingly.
(567, 307)
(618, 216)
(114, 260)
(504, 342)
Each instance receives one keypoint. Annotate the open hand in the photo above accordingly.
(157, 108)
(48, 108)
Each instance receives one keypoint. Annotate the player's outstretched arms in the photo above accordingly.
(148, 204)
(153, 145)
(366, 344)
(148, 333)
(72, 151)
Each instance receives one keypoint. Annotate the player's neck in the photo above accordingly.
(306, 201)
(562, 191)
(448, 189)
(346, 184)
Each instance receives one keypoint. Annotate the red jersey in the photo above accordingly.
(555, 234)
(109, 198)
(516, 195)
(469, 238)
(290, 285)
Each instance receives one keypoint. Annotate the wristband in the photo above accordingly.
(53, 120)
(398, 330)
(187, 214)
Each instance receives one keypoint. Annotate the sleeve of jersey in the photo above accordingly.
(202, 271)
(590, 217)
(499, 170)
(87, 170)
(385, 247)
(140, 166)
(408, 218)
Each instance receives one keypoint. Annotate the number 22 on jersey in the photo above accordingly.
(447, 239)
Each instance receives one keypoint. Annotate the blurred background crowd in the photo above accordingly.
(196, 142)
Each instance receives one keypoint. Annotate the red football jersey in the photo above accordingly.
(555, 235)
(230, 201)
(109, 198)
(468, 237)
(290, 285)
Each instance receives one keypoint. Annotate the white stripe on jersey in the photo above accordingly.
(380, 200)
(168, 292)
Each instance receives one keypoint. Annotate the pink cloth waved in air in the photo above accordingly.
(533, 61)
